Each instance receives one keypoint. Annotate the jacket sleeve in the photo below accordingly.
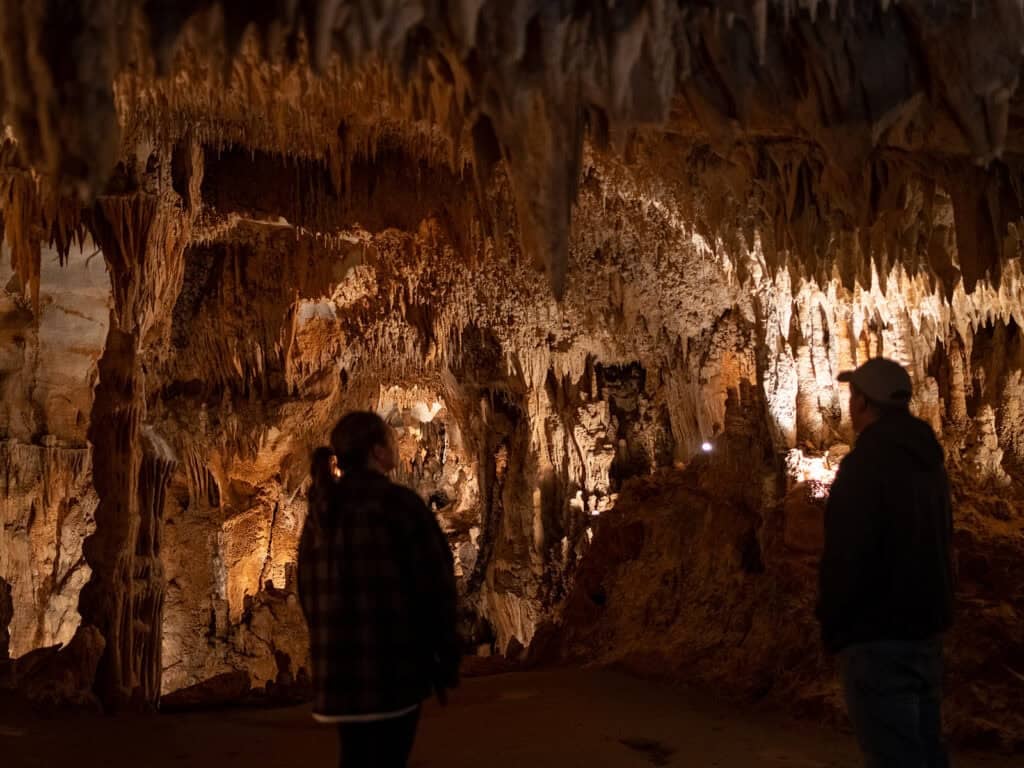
(850, 535)
(437, 596)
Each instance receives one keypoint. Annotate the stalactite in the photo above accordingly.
(34, 213)
(364, 51)
(22, 222)
(61, 61)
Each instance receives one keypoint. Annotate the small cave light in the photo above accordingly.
(707, 447)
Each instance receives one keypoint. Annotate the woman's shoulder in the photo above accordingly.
(406, 496)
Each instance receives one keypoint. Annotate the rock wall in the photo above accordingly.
(523, 420)
(6, 614)
(689, 579)
(283, 246)
(47, 501)
(708, 574)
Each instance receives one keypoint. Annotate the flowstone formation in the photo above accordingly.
(599, 264)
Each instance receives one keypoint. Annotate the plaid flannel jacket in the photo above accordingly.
(377, 586)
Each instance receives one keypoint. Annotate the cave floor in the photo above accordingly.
(559, 718)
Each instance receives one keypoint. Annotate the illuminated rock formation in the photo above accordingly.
(228, 223)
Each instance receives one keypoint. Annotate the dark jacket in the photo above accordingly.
(377, 586)
(886, 573)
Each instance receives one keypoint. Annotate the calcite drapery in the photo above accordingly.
(526, 84)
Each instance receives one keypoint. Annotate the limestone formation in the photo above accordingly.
(47, 496)
(6, 614)
(228, 223)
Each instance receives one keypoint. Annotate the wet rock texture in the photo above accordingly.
(228, 224)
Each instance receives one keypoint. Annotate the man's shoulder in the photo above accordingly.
(857, 469)
(858, 456)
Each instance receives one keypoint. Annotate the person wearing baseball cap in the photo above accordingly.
(886, 579)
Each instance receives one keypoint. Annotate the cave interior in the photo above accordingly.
(598, 264)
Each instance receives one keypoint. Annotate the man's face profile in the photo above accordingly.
(860, 410)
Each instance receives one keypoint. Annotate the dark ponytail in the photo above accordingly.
(321, 472)
(321, 466)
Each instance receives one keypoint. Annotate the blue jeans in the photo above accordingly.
(894, 698)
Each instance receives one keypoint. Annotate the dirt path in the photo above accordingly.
(564, 718)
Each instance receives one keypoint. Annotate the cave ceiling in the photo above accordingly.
(832, 135)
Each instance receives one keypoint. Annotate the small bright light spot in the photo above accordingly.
(816, 472)
(706, 447)
(577, 502)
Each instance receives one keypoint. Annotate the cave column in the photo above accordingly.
(143, 240)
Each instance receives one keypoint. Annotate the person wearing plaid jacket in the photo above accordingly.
(377, 586)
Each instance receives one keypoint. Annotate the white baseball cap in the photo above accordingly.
(882, 381)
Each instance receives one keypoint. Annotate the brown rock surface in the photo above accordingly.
(47, 500)
(229, 688)
(684, 581)
(62, 677)
(6, 613)
(228, 225)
